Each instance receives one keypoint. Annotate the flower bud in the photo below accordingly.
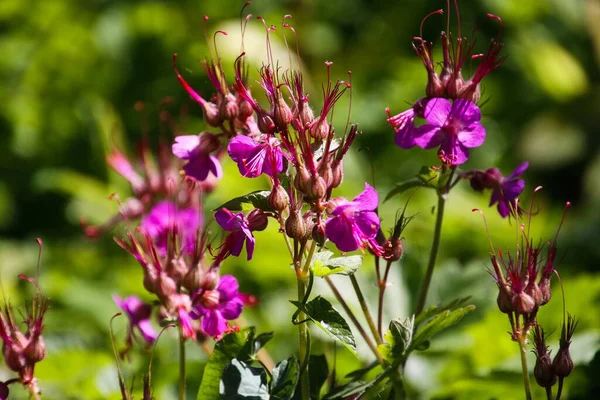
(393, 249)
(319, 129)
(545, 289)
(504, 299)
(492, 178)
(166, 286)
(177, 269)
(302, 179)
(14, 358)
(228, 107)
(211, 279)
(257, 220)
(477, 181)
(303, 114)
(318, 234)
(337, 173)
(265, 124)
(245, 110)
(4, 392)
(523, 303)
(209, 142)
(282, 114)
(543, 371)
(317, 188)
(294, 226)
(36, 350)
(194, 279)
(210, 299)
(279, 199)
(455, 85)
(435, 87)
(562, 363)
(333, 204)
(326, 173)
(150, 278)
(212, 115)
(534, 291)
(309, 224)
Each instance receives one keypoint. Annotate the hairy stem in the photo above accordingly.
(355, 321)
(181, 365)
(435, 246)
(365, 308)
(523, 351)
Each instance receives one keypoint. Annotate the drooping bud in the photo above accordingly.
(4, 392)
(318, 234)
(228, 107)
(282, 114)
(476, 181)
(279, 199)
(150, 278)
(265, 124)
(212, 116)
(337, 173)
(294, 226)
(209, 142)
(257, 220)
(523, 303)
(36, 350)
(504, 299)
(245, 110)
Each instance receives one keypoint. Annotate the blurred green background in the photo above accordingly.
(71, 72)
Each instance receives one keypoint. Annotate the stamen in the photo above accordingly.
(244, 21)
(562, 220)
(297, 46)
(217, 58)
(205, 26)
(487, 229)
(349, 86)
(537, 189)
(501, 30)
(39, 261)
(436, 12)
(458, 19)
(284, 25)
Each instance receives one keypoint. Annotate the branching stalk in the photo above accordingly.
(365, 308)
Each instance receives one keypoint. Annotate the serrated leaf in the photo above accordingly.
(322, 313)
(440, 322)
(243, 381)
(323, 265)
(225, 350)
(284, 379)
(248, 202)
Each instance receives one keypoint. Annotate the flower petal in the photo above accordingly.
(503, 208)
(232, 309)
(228, 220)
(228, 288)
(368, 224)
(518, 171)
(368, 200)
(213, 323)
(214, 166)
(404, 137)
(339, 231)
(465, 111)
(454, 152)
(147, 331)
(198, 167)
(437, 111)
(250, 246)
(428, 136)
(240, 147)
(473, 137)
(512, 189)
(185, 146)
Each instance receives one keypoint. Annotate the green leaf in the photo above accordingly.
(397, 340)
(318, 371)
(322, 313)
(428, 177)
(285, 378)
(258, 199)
(323, 265)
(243, 381)
(441, 321)
(225, 350)
(402, 187)
(355, 387)
(254, 344)
(431, 311)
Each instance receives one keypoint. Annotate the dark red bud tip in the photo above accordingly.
(493, 16)
(567, 204)
(206, 17)
(286, 16)
(4, 392)
(257, 220)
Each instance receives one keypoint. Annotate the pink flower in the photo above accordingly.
(454, 127)
(196, 150)
(354, 223)
(219, 305)
(263, 156)
(239, 227)
(139, 316)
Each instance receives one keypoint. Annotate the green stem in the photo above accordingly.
(365, 308)
(181, 365)
(523, 351)
(303, 342)
(435, 246)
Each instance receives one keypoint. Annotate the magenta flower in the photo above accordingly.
(239, 227)
(506, 189)
(453, 126)
(354, 223)
(139, 316)
(165, 220)
(217, 306)
(196, 150)
(404, 124)
(254, 158)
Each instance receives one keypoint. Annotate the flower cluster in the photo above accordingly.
(22, 350)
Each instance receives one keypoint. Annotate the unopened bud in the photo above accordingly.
(334, 203)
(562, 363)
(35, 350)
(302, 179)
(228, 107)
(534, 291)
(317, 188)
(166, 286)
(545, 289)
(477, 181)
(504, 299)
(304, 114)
(4, 392)
(294, 226)
(470, 91)
(337, 176)
(282, 114)
(150, 278)
(212, 115)
(210, 299)
(279, 199)
(211, 279)
(326, 173)
(435, 87)
(318, 234)
(177, 269)
(319, 129)
(492, 178)
(257, 220)
(455, 85)
(245, 110)
(265, 124)
(309, 224)
(393, 249)
(523, 303)
(14, 358)
(193, 279)
(209, 142)
(132, 209)
(543, 371)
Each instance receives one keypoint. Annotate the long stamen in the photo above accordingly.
(244, 21)
(562, 220)
(436, 12)
(531, 202)
(458, 19)
(287, 47)
(205, 27)
(487, 230)
(501, 30)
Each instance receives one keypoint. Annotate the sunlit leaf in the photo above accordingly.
(243, 381)
(324, 265)
(250, 201)
(284, 379)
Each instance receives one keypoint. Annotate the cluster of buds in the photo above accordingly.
(22, 350)
(449, 105)
(524, 281)
(548, 371)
